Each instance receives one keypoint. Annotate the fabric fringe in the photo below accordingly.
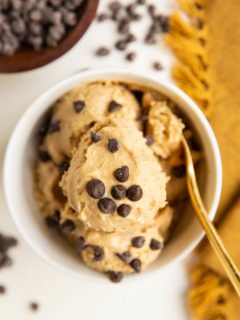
(188, 40)
(210, 295)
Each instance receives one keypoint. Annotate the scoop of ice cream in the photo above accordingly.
(114, 182)
(79, 109)
(118, 252)
(165, 128)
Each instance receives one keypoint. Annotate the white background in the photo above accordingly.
(30, 279)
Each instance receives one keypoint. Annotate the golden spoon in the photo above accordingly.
(213, 237)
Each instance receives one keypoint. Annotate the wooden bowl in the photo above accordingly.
(28, 59)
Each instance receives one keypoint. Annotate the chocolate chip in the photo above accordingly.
(80, 244)
(121, 45)
(134, 193)
(64, 166)
(102, 17)
(115, 277)
(123, 27)
(179, 171)
(78, 105)
(114, 5)
(150, 140)
(107, 205)
(152, 10)
(52, 222)
(124, 257)
(95, 137)
(221, 300)
(113, 145)
(67, 226)
(2, 289)
(122, 174)
(124, 210)
(102, 52)
(95, 188)
(136, 265)
(98, 253)
(165, 24)
(157, 66)
(138, 242)
(34, 306)
(131, 38)
(118, 192)
(114, 106)
(156, 245)
(131, 56)
(54, 126)
(150, 39)
(141, 1)
(44, 156)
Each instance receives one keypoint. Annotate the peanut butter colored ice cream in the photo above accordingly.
(108, 175)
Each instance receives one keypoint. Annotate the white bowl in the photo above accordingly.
(18, 178)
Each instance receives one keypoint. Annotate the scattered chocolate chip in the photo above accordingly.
(113, 145)
(179, 171)
(98, 253)
(107, 205)
(124, 210)
(118, 15)
(115, 277)
(130, 38)
(138, 242)
(5, 244)
(134, 193)
(34, 306)
(102, 17)
(131, 10)
(150, 39)
(165, 24)
(122, 174)
(114, 5)
(67, 226)
(124, 257)
(44, 156)
(64, 166)
(51, 223)
(54, 126)
(157, 66)
(131, 56)
(91, 124)
(152, 10)
(102, 52)
(114, 106)
(141, 1)
(95, 137)
(80, 244)
(156, 245)
(43, 129)
(121, 45)
(150, 140)
(78, 105)
(136, 265)
(118, 192)
(95, 188)
(2, 289)
(123, 26)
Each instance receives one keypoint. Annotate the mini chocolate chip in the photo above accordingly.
(136, 265)
(134, 193)
(113, 145)
(122, 174)
(131, 56)
(91, 124)
(107, 205)
(67, 226)
(54, 126)
(102, 17)
(165, 24)
(138, 242)
(102, 52)
(151, 10)
(44, 156)
(156, 245)
(124, 210)
(179, 171)
(95, 137)
(2, 289)
(150, 140)
(51, 223)
(124, 257)
(115, 277)
(80, 244)
(221, 300)
(79, 105)
(157, 66)
(141, 1)
(114, 5)
(123, 26)
(131, 38)
(56, 216)
(150, 39)
(64, 166)
(118, 192)
(34, 306)
(114, 106)
(121, 45)
(98, 253)
(95, 188)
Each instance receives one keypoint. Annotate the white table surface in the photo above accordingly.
(60, 296)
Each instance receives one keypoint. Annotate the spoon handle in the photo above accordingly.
(213, 237)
